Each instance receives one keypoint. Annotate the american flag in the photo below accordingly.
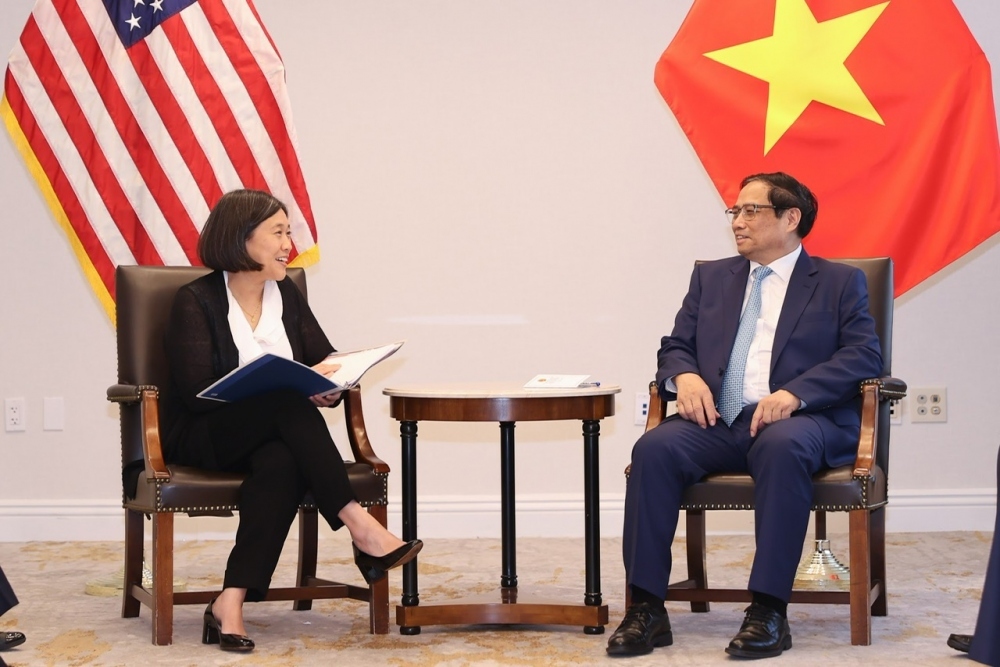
(135, 116)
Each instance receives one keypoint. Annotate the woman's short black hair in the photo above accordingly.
(223, 242)
(786, 193)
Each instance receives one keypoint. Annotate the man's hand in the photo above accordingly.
(775, 407)
(694, 400)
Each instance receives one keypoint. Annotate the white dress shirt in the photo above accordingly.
(757, 374)
(269, 336)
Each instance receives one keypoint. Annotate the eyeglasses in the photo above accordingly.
(749, 211)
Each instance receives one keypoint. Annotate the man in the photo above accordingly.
(984, 645)
(7, 600)
(772, 392)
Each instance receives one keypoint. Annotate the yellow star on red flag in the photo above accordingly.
(803, 61)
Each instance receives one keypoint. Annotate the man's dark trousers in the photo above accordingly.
(782, 460)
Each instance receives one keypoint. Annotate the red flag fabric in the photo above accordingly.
(135, 116)
(884, 109)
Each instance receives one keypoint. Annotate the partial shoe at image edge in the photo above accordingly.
(960, 642)
(10, 640)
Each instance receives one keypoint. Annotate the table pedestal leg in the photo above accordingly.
(592, 518)
(408, 439)
(508, 537)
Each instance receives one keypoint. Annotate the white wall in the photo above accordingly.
(500, 183)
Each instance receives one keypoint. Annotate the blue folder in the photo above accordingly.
(269, 372)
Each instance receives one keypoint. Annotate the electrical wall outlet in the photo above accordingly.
(13, 414)
(641, 407)
(929, 404)
(896, 412)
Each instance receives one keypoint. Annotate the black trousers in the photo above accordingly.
(7, 597)
(282, 442)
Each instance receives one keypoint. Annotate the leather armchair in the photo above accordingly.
(860, 489)
(144, 298)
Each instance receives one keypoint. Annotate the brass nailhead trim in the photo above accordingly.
(863, 482)
(160, 508)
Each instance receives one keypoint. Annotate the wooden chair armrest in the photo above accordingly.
(873, 392)
(657, 411)
(152, 449)
(868, 438)
(358, 435)
(147, 398)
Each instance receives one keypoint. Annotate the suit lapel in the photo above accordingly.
(733, 290)
(801, 286)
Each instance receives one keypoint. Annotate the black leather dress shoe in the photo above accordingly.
(10, 640)
(642, 629)
(960, 642)
(764, 634)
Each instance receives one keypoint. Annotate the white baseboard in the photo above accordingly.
(548, 515)
(937, 510)
(61, 520)
(541, 515)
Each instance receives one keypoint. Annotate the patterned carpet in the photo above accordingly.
(935, 582)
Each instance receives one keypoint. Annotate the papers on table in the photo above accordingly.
(560, 382)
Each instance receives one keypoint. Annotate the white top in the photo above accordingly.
(757, 374)
(269, 336)
(493, 390)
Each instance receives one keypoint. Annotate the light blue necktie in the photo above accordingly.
(731, 396)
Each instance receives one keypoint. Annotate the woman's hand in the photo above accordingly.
(326, 368)
(325, 400)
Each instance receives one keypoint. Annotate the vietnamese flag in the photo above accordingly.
(884, 109)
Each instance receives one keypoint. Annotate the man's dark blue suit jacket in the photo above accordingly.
(824, 344)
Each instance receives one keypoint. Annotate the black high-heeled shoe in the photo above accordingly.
(374, 568)
(211, 633)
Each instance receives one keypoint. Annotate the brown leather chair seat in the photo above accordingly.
(836, 490)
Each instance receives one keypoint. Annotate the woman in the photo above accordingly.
(280, 439)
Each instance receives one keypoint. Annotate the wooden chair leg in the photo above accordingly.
(861, 578)
(820, 524)
(163, 578)
(378, 602)
(697, 555)
(308, 536)
(134, 528)
(880, 607)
